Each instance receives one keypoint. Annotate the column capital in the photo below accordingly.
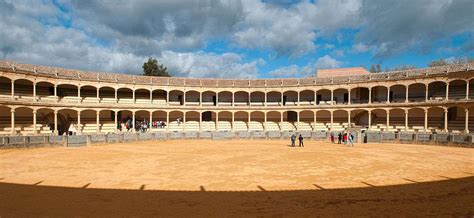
(97, 113)
(446, 110)
(55, 112)
(12, 110)
(35, 111)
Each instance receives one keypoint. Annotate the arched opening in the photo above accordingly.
(67, 93)
(306, 118)
(142, 121)
(67, 122)
(225, 121)
(23, 121)
(359, 118)
(289, 120)
(436, 119)
(176, 97)
(273, 119)
(240, 121)
(5, 120)
(290, 98)
(107, 94)
(176, 121)
(417, 92)
(341, 96)
(192, 98)
(437, 91)
(225, 98)
(257, 98)
(397, 120)
(45, 121)
(471, 119)
(88, 123)
(471, 88)
(256, 121)
(209, 98)
(307, 97)
(192, 120)
(107, 121)
(45, 91)
(89, 94)
(23, 89)
(273, 98)
(5, 87)
(125, 120)
(398, 93)
(456, 119)
(208, 121)
(378, 120)
(416, 119)
(457, 89)
(360, 95)
(142, 96)
(125, 96)
(159, 97)
(159, 120)
(323, 97)
(241, 98)
(340, 120)
(379, 94)
(323, 120)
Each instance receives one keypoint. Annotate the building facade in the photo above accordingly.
(47, 100)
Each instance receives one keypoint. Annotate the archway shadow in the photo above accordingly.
(449, 197)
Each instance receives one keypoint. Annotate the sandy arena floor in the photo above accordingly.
(253, 168)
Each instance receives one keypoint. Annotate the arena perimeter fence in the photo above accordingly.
(448, 139)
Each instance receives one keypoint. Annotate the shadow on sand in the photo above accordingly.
(450, 197)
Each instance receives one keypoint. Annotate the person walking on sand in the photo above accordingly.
(300, 138)
(332, 137)
(339, 138)
(293, 139)
(351, 140)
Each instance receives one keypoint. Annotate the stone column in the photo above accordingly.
(406, 120)
(98, 95)
(446, 120)
(217, 99)
(281, 120)
(265, 103)
(298, 121)
(233, 100)
(13, 89)
(34, 91)
(79, 94)
(250, 99)
(151, 121)
(34, 123)
(314, 125)
(79, 126)
(133, 95)
(56, 92)
(315, 96)
(116, 100)
(97, 119)
(388, 94)
(332, 119)
(184, 121)
(298, 98)
(348, 119)
(467, 90)
(55, 122)
(406, 94)
(151, 96)
(233, 121)
(447, 91)
(388, 119)
(184, 97)
(466, 129)
(281, 99)
(370, 95)
(167, 120)
(12, 121)
(167, 101)
(200, 121)
(265, 121)
(248, 121)
(133, 121)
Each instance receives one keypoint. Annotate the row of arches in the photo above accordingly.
(24, 120)
(416, 92)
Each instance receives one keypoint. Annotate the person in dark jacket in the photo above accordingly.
(300, 138)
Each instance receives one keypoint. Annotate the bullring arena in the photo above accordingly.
(224, 149)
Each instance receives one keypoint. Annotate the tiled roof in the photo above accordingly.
(342, 72)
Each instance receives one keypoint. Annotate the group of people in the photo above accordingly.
(293, 140)
(141, 126)
(346, 137)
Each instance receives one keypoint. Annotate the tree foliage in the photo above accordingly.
(152, 68)
(443, 62)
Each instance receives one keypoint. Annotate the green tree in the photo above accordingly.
(378, 68)
(152, 68)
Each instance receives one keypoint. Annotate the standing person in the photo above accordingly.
(346, 136)
(339, 138)
(300, 138)
(351, 140)
(332, 137)
(293, 139)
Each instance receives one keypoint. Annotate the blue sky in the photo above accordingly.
(235, 39)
